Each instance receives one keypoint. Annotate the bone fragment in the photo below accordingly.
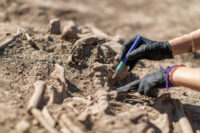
(59, 75)
(74, 128)
(70, 31)
(48, 117)
(54, 26)
(64, 129)
(39, 116)
(37, 95)
(10, 40)
(99, 33)
(29, 39)
(100, 107)
(52, 94)
(82, 100)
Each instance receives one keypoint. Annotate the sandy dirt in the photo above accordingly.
(77, 67)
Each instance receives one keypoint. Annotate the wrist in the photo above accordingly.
(186, 43)
(196, 39)
(171, 79)
(181, 45)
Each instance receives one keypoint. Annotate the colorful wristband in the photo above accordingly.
(167, 81)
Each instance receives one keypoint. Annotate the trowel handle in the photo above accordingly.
(136, 42)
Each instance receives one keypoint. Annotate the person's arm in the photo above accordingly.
(156, 50)
(179, 75)
(186, 43)
(188, 77)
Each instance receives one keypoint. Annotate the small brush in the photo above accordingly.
(123, 62)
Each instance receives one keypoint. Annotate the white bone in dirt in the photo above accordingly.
(10, 40)
(29, 39)
(82, 100)
(37, 95)
(64, 129)
(74, 128)
(100, 107)
(52, 94)
(54, 26)
(59, 75)
(39, 116)
(48, 117)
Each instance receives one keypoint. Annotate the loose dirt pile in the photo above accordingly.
(57, 78)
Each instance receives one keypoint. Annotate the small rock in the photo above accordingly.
(70, 31)
(54, 26)
(23, 126)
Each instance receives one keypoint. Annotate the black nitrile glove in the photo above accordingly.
(144, 85)
(146, 49)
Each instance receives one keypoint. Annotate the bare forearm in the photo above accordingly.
(186, 43)
(188, 77)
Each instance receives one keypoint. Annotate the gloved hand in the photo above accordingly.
(144, 85)
(146, 49)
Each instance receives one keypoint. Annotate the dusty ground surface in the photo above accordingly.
(22, 64)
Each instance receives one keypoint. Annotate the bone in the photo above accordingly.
(10, 40)
(183, 121)
(71, 105)
(52, 95)
(68, 123)
(23, 126)
(37, 95)
(102, 35)
(70, 31)
(100, 107)
(79, 47)
(99, 33)
(115, 46)
(54, 26)
(64, 129)
(86, 40)
(82, 100)
(39, 116)
(60, 87)
(29, 39)
(59, 75)
(48, 117)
